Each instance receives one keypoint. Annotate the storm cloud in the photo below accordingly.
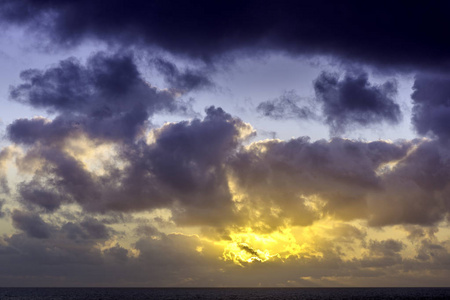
(408, 36)
(353, 101)
(431, 105)
(106, 98)
(31, 224)
(306, 179)
(184, 166)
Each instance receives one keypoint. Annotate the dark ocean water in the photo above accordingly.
(222, 293)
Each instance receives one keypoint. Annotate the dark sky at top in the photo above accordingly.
(388, 34)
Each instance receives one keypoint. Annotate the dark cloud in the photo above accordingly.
(353, 101)
(347, 233)
(383, 254)
(146, 230)
(287, 106)
(5, 155)
(182, 81)
(183, 169)
(248, 249)
(35, 193)
(432, 251)
(408, 35)
(31, 224)
(87, 229)
(185, 165)
(416, 233)
(388, 247)
(61, 179)
(384, 183)
(168, 261)
(30, 131)
(2, 213)
(95, 229)
(117, 252)
(106, 98)
(308, 179)
(415, 190)
(431, 110)
(188, 260)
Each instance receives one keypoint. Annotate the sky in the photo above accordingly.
(224, 143)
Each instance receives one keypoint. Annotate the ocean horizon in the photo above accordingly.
(307, 293)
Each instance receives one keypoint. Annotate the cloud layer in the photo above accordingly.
(203, 29)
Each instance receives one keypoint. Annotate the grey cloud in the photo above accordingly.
(29, 131)
(2, 213)
(36, 257)
(353, 101)
(34, 192)
(5, 155)
(432, 251)
(117, 252)
(388, 247)
(95, 229)
(168, 261)
(287, 106)
(182, 81)
(31, 224)
(89, 228)
(431, 110)
(417, 232)
(209, 30)
(346, 233)
(416, 190)
(175, 260)
(184, 170)
(106, 98)
(185, 166)
(383, 254)
(146, 230)
(342, 173)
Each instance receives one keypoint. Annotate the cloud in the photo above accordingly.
(182, 81)
(60, 179)
(118, 253)
(300, 182)
(2, 213)
(383, 254)
(31, 224)
(286, 106)
(388, 247)
(200, 171)
(89, 228)
(353, 101)
(106, 98)
(431, 109)
(183, 169)
(30, 131)
(415, 191)
(189, 260)
(5, 156)
(34, 192)
(307, 180)
(204, 29)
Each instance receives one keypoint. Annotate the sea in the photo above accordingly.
(222, 293)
